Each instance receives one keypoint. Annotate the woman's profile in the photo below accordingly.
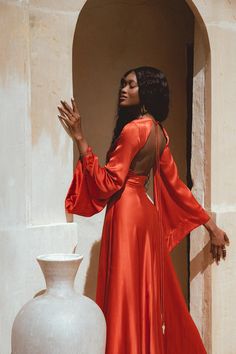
(137, 287)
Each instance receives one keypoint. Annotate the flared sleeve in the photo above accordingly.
(93, 185)
(179, 209)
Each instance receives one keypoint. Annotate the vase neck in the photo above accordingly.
(59, 275)
(59, 287)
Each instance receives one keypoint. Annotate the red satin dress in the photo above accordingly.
(137, 286)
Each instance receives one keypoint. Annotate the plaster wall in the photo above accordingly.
(32, 220)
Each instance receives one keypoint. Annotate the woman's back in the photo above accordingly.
(144, 160)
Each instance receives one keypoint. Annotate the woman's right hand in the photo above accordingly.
(71, 119)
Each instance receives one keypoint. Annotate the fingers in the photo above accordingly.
(64, 120)
(64, 113)
(67, 107)
(63, 123)
(226, 239)
(71, 113)
(218, 252)
(65, 126)
(75, 109)
(213, 251)
(224, 253)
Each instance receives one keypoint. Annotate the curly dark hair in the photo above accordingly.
(153, 95)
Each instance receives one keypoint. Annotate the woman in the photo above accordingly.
(137, 287)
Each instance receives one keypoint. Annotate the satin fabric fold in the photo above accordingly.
(93, 185)
(130, 286)
(181, 212)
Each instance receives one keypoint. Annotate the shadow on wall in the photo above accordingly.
(90, 286)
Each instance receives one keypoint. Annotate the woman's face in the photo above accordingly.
(129, 95)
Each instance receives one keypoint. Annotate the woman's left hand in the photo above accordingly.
(218, 239)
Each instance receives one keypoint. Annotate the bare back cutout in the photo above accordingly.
(145, 159)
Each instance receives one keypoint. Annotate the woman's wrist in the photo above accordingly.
(210, 225)
(82, 145)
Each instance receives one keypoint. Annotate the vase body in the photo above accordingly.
(59, 321)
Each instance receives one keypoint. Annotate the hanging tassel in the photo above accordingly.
(163, 326)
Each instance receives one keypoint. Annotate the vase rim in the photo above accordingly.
(61, 257)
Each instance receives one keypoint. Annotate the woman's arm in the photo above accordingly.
(210, 225)
(92, 185)
(82, 145)
(181, 210)
(104, 181)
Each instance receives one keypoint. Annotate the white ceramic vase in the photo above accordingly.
(59, 321)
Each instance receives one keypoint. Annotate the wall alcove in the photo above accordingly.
(111, 37)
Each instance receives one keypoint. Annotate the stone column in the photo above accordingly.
(213, 170)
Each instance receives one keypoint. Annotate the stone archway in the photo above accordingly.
(200, 299)
(120, 36)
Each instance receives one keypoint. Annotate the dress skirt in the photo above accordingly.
(129, 276)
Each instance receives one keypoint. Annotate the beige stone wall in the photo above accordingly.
(52, 50)
(36, 160)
